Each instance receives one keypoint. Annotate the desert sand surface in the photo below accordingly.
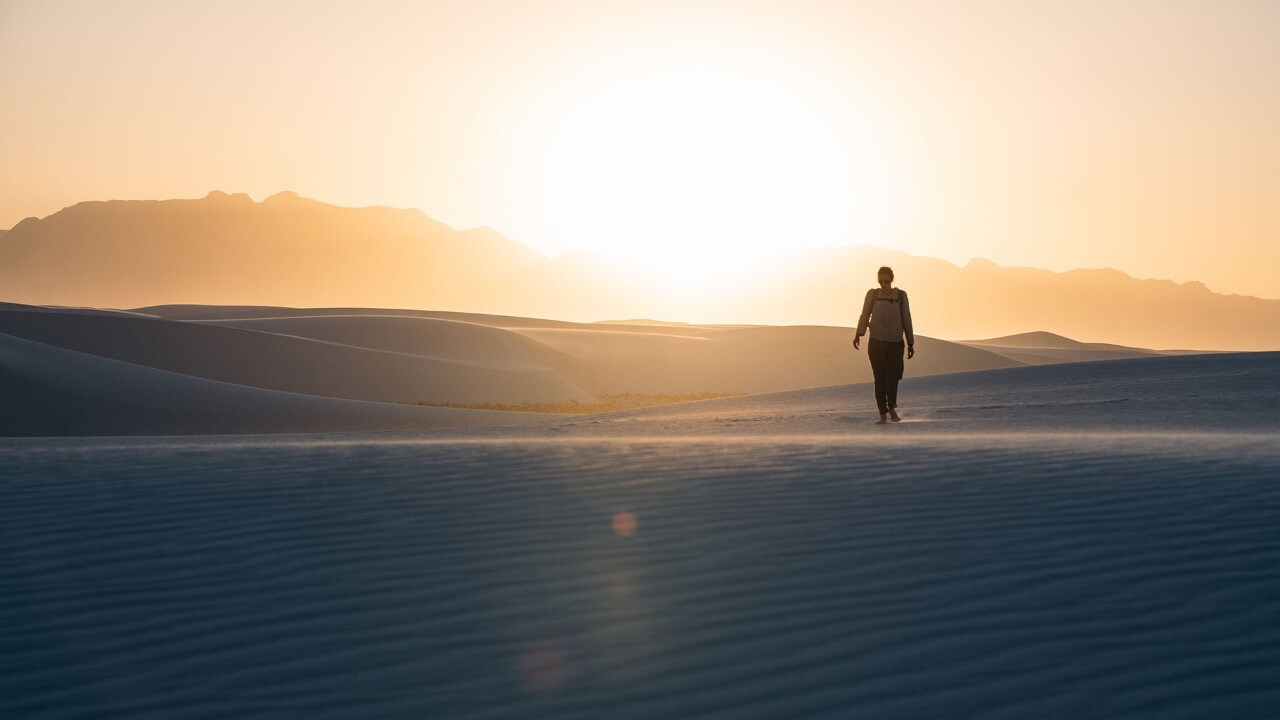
(289, 363)
(404, 358)
(1071, 540)
(49, 390)
(1217, 394)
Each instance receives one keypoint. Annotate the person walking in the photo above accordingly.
(886, 310)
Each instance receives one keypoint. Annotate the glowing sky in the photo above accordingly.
(1140, 135)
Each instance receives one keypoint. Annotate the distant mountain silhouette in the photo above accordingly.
(294, 251)
(986, 300)
(290, 249)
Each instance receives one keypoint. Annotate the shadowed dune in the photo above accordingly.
(242, 312)
(1219, 394)
(620, 357)
(1073, 540)
(383, 356)
(409, 357)
(453, 340)
(750, 359)
(296, 364)
(55, 391)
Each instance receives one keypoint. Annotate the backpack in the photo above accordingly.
(901, 320)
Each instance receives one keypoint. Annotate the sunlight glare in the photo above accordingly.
(698, 168)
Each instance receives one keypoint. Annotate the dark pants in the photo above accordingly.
(886, 366)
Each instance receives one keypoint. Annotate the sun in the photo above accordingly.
(697, 165)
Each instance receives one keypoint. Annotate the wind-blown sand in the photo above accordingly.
(1077, 540)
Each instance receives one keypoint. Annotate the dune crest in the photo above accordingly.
(398, 358)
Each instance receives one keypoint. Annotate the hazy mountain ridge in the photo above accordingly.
(294, 251)
(1105, 305)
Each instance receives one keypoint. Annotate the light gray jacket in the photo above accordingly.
(888, 315)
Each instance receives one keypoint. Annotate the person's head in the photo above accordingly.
(885, 276)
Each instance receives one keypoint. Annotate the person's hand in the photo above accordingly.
(855, 343)
(911, 351)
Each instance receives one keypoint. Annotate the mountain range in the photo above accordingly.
(292, 251)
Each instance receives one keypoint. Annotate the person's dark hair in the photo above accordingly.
(886, 270)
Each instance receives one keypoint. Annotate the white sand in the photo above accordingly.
(1077, 540)
(294, 364)
(53, 391)
(408, 357)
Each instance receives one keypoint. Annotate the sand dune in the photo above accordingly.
(1160, 394)
(392, 356)
(743, 360)
(1076, 540)
(242, 312)
(653, 358)
(456, 341)
(1040, 339)
(1040, 348)
(294, 364)
(54, 391)
(641, 357)
(385, 356)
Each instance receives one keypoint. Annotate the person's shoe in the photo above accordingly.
(882, 420)
(893, 414)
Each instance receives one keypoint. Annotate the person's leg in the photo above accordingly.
(875, 352)
(893, 366)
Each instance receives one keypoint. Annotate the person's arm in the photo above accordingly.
(906, 324)
(863, 320)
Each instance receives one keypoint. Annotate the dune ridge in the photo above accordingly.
(290, 364)
(54, 391)
(405, 357)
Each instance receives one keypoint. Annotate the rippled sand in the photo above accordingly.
(1025, 550)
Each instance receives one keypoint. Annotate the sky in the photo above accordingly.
(1133, 134)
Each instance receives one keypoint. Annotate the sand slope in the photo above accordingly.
(1216, 393)
(743, 360)
(620, 357)
(458, 341)
(415, 357)
(1066, 541)
(391, 356)
(54, 391)
(458, 372)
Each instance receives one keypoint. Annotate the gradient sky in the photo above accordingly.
(1136, 134)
